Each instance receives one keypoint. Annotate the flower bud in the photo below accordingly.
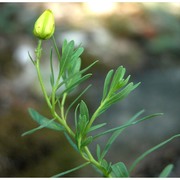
(44, 26)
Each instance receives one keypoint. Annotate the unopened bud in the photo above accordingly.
(44, 26)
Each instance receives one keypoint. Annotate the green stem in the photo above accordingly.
(62, 106)
(37, 62)
(51, 106)
(94, 116)
(91, 159)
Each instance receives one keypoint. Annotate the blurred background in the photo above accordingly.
(143, 37)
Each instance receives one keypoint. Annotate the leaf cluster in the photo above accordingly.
(116, 88)
(70, 73)
(81, 122)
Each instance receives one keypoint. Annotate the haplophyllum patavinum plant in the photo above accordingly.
(70, 75)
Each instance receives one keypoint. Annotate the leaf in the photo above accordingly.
(76, 115)
(33, 61)
(117, 133)
(98, 152)
(106, 83)
(77, 53)
(74, 85)
(92, 128)
(84, 110)
(76, 74)
(122, 94)
(87, 141)
(109, 101)
(140, 158)
(119, 74)
(71, 170)
(119, 170)
(166, 171)
(44, 121)
(64, 45)
(106, 165)
(70, 106)
(81, 126)
(38, 128)
(71, 142)
(66, 56)
(52, 70)
(127, 125)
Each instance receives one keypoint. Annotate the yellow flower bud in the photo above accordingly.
(44, 26)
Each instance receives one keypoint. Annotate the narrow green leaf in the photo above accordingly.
(106, 83)
(76, 115)
(74, 85)
(166, 171)
(98, 152)
(71, 170)
(76, 74)
(64, 45)
(44, 121)
(77, 53)
(122, 83)
(66, 56)
(70, 106)
(45, 125)
(87, 141)
(32, 130)
(127, 125)
(140, 158)
(71, 142)
(56, 48)
(92, 128)
(122, 94)
(119, 170)
(106, 165)
(84, 109)
(52, 69)
(87, 68)
(115, 98)
(117, 133)
(31, 58)
(81, 125)
(73, 71)
(119, 74)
